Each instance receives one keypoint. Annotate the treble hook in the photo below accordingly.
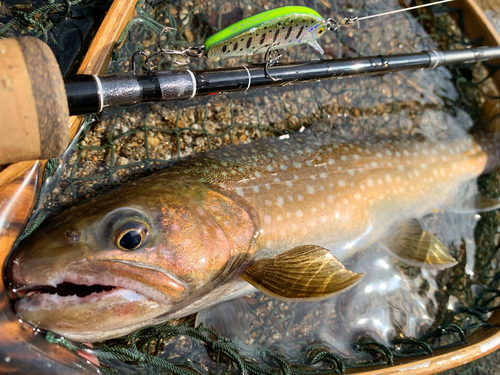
(193, 51)
(148, 60)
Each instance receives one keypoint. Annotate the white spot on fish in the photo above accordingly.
(330, 198)
(280, 201)
(299, 213)
(357, 196)
(258, 174)
(323, 175)
(267, 219)
(397, 154)
(356, 157)
(289, 184)
(268, 202)
(373, 164)
(379, 155)
(310, 189)
(401, 168)
(369, 182)
(341, 183)
(351, 172)
(277, 180)
(255, 189)
(300, 197)
(388, 152)
(239, 191)
(343, 158)
(331, 161)
(388, 177)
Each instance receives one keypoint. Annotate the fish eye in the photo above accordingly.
(130, 236)
(320, 31)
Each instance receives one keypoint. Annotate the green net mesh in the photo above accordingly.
(126, 143)
(64, 25)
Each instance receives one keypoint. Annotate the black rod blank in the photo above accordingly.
(91, 94)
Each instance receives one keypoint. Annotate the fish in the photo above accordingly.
(277, 215)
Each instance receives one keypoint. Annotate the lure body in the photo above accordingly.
(270, 30)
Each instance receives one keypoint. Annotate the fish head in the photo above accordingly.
(104, 268)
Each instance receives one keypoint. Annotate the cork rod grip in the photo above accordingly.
(33, 105)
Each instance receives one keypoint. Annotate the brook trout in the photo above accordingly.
(273, 215)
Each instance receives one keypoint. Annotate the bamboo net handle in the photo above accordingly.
(26, 352)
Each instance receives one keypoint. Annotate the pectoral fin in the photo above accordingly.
(302, 273)
(314, 44)
(411, 244)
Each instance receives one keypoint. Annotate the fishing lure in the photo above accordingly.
(269, 31)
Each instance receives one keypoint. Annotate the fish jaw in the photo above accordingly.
(68, 288)
(91, 300)
(96, 317)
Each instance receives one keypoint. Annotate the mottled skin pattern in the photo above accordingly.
(278, 33)
(206, 217)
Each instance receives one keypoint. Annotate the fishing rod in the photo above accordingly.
(92, 94)
(35, 101)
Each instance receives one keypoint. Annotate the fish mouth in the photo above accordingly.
(85, 313)
(87, 309)
(62, 290)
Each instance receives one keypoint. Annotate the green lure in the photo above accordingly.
(268, 31)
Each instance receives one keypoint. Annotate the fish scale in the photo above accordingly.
(305, 186)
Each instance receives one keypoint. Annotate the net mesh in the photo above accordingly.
(63, 25)
(126, 143)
